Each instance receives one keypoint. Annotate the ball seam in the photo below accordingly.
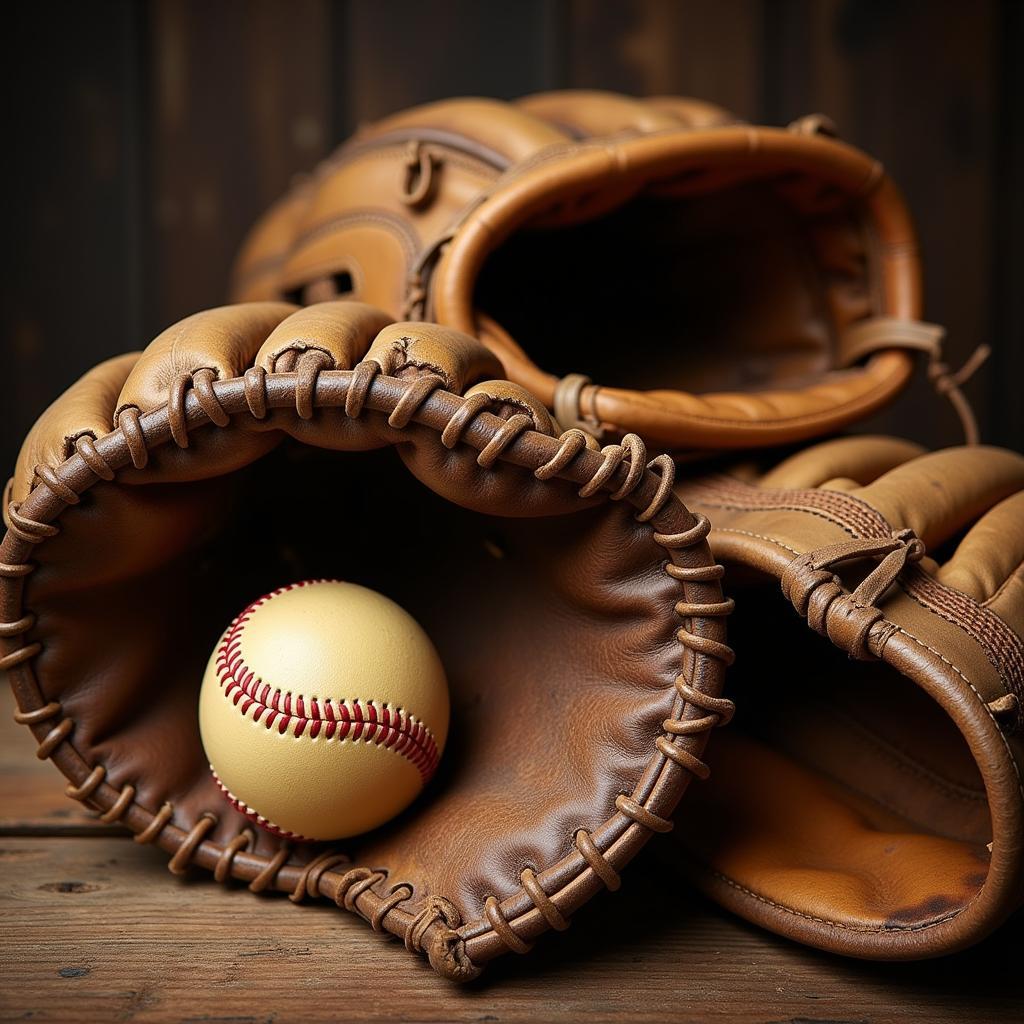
(253, 815)
(392, 728)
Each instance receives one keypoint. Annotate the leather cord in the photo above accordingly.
(876, 334)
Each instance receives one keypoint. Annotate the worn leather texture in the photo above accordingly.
(650, 266)
(867, 799)
(571, 596)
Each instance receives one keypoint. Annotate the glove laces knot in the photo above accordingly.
(847, 618)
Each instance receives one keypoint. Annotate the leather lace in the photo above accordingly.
(847, 618)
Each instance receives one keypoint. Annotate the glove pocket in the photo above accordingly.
(582, 637)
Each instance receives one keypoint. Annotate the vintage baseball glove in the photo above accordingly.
(640, 266)
(573, 600)
(868, 798)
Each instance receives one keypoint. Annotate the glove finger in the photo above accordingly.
(412, 349)
(837, 463)
(330, 336)
(86, 409)
(508, 399)
(988, 564)
(224, 340)
(341, 330)
(939, 494)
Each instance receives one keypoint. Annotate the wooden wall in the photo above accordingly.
(145, 137)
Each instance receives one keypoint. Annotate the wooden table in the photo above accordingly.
(93, 928)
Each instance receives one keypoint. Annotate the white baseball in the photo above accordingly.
(323, 710)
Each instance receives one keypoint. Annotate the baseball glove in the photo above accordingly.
(572, 598)
(640, 266)
(868, 799)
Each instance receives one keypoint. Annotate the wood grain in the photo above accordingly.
(702, 48)
(398, 55)
(239, 100)
(74, 266)
(1006, 418)
(95, 928)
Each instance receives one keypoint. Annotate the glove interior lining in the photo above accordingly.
(821, 800)
(736, 290)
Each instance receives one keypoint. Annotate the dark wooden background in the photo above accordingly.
(145, 137)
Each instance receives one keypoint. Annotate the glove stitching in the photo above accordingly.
(381, 217)
(719, 711)
(1001, 646)
(909, 589)
(981, 700)
(867, 929)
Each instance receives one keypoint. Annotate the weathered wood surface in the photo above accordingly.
(94, 928)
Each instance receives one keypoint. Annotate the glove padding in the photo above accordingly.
(572, 598)
(868, 799)
(638, 265)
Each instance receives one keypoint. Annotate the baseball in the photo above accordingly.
(323, 710)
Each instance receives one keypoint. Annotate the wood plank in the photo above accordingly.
(701, 48)
(240, 102)
(404, 52)
(71, 289)
(1006, 415)
(95, 929)
(915, 85)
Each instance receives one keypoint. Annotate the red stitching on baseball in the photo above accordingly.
(264, 823)
(381, 725)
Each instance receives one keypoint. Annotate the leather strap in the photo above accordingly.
(568, 404)
(875, 334)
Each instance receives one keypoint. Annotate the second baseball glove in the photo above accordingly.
(572, 598)
(868, 799)
(638, 265)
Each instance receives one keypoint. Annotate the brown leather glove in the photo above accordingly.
(572, 597)
(724, 286)
(868, 798)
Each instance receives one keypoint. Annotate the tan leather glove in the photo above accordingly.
(868, 797)
(572, 598)
(649, 266)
